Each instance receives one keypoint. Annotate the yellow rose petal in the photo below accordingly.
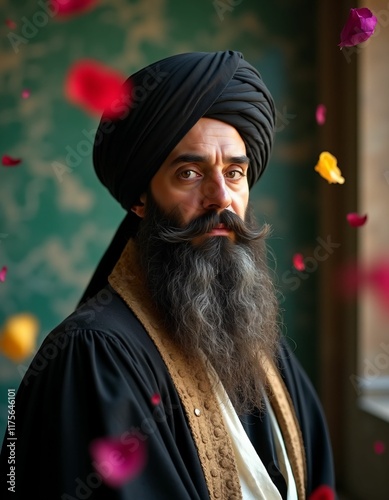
(18, 336)
(328, 168)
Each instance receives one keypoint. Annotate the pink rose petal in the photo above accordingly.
(321, 111)
(155, 399)
(25, 94)
(118, 460)
(72, 7)
(359, 27)
(97, 88)
(3, 273)
(8, 161)
(323, 492)
(298, 261)
(356, 220)
(379, 447)
(11, 24)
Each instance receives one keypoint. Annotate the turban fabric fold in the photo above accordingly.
(164, 102)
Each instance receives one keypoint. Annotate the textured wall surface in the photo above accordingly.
(54, 228)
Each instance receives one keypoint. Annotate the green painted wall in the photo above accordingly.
(53, 230)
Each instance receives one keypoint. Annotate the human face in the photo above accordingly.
(207, 170)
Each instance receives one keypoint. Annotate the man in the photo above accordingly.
(174, 358)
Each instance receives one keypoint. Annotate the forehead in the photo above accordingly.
(208, 133)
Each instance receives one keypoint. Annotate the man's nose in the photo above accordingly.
(216, 194)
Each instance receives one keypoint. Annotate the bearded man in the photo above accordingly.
(174, 360)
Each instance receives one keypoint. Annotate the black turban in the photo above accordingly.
(166, 99)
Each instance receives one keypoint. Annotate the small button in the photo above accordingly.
(197, 412)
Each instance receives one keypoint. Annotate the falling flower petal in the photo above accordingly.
(97, 88)
(155, 399)
(118, 460)
(356, 220)
(18, 336)
(298, 261)
(3, 273)
(375, 278)
(379, 447)
(327, 167)
(8, 161)
(359, 27)
(25, 94)
(323, 492)
(72, 7)
(11, 24)
(321, 111)
(378, 279)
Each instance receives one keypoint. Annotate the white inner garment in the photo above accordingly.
(256, 484)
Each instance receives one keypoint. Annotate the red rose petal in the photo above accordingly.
(155, 399)
(8, 161)
(72, 7)
(11, 24)
(298, 261)
(323, 492)
(97, 88)
(321, 111)
(3, 273)
(356, 220)
(119, 460)
(379, 447)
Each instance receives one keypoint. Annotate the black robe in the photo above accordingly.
(94, 376)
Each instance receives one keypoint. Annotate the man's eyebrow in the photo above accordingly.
(193, 158)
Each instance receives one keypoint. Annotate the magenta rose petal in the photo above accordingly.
(72, 7)
(3, 273)
(97, 88)
(119, 460)
(359, 27)
(298, 261)
(321, 111)
(8, 161)
(356, 220)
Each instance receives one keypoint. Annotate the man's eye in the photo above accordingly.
(188, 174)
(234, 174)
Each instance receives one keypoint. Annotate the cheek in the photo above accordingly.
(240, 203)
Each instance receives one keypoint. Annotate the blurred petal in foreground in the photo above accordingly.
(118, 460)
(97, 88)
(18, 336)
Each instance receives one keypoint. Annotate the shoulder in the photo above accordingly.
(102, 334)
(107, 318)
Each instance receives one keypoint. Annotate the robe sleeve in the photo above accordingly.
(86, 384)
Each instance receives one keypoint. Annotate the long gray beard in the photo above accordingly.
(216, 297)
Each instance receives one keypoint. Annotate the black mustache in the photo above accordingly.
(205, 223)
